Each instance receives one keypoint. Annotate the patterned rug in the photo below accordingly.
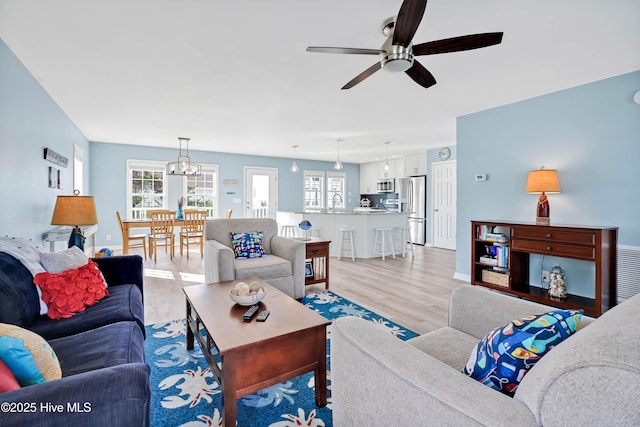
(184, 392)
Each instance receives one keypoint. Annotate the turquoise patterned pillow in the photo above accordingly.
(247, 245)
(505, 355)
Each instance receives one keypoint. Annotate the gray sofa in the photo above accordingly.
(591, 379)
(282, 267)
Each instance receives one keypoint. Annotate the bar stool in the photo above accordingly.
(383, 237)
(346, 234)
(288, 231)
(405, 238)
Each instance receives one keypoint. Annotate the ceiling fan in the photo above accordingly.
(397, 53)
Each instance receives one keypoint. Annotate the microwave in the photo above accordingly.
(386, 185)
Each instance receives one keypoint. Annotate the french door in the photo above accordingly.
(260, 192)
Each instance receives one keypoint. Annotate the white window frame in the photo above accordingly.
(214, 210)
(151, 165)
(331, 193)
(321, 191)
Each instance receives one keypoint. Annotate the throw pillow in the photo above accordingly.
(29, 357)
(8, 381)
(71, 291)
(247, 245)
(57, 262)
(505, 355)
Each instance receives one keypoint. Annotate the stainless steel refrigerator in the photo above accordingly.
(413, 201)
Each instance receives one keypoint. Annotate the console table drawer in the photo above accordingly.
(550, 234)
(554, 249)
(315, 251)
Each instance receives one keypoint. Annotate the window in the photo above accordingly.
(336, 184)
(313, 189)
(146, 188)
(201, 191)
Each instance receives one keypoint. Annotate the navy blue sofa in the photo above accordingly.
(105, 380)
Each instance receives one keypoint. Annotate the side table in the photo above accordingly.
(317, 255)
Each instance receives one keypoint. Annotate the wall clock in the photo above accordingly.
(444, 153)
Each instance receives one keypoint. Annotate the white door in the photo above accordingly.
(444, 204)
(260, 192)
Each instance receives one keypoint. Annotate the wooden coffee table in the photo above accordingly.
(255, 355)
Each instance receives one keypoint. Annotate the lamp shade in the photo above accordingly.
(74, 210)
(543, 181)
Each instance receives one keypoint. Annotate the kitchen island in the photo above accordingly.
(364, 222)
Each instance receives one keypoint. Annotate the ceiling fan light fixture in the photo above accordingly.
(396, 58)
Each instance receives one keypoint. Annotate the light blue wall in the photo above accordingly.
(30, 121)
(108, 173)
(589, 133)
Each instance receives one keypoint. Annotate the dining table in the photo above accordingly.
(128, 224)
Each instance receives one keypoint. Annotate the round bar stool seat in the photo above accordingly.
(405, 239)
(383, 238)
(288, 231)
(346, 235)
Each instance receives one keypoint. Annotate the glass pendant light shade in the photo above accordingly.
(338, 164)
(294, 165)
(386, 162)
(184, 166)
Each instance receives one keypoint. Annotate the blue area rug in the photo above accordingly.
(184, 392)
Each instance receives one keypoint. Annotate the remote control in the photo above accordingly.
(263, 316)
(249, 314)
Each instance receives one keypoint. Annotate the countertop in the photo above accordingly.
(360, 211)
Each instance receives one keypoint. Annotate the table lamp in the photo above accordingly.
(75, 210)
(543, 181)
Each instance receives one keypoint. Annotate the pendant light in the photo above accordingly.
(386, 162)
(338, 164)
(294, 165)
(184, 166)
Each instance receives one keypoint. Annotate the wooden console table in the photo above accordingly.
(595, 244)
(318, 255)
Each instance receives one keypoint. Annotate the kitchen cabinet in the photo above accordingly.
(368, 178)
(415, 164)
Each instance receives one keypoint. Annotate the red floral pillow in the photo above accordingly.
(71, 291)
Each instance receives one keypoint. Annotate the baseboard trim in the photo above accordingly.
(462, 277)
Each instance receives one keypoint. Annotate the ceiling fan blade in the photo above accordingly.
(456, 44)
(409, 18)
(363, 75)
(351, 50)
(421, 75)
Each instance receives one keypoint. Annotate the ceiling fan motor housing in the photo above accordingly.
(393, 57)
(396, 58)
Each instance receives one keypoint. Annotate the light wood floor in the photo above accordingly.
(413, 292)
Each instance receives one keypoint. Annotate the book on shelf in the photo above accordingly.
(485, 232)
(488, 260)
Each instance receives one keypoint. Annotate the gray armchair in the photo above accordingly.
(282, 267)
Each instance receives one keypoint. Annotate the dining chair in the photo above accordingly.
(162, 223)
(227, 213)
(192, 229)
(135, 240)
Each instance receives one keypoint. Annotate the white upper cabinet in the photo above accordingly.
(368, 178)
(415, 164)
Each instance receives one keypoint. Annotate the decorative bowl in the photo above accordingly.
(256, 290)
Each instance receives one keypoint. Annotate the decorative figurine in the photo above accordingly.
(557, 283)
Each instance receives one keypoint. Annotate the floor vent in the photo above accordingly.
(628, 272)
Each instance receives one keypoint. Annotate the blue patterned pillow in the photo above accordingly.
(247, 245)
(504, 356)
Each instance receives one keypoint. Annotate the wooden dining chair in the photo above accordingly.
(135, 240)
(192, 229)
(227, 213)
(162, 223)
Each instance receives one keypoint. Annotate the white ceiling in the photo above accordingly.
(234, 76)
